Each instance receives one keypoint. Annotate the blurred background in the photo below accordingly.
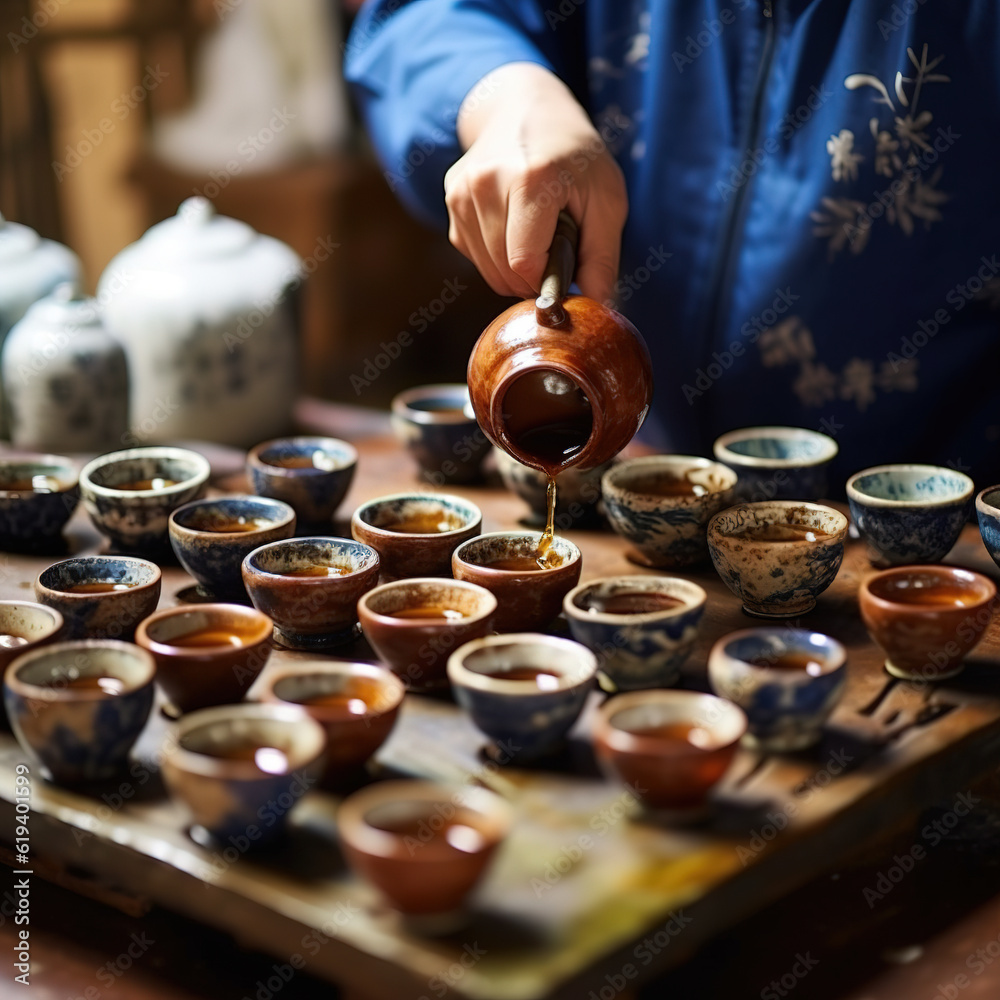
(112, 112)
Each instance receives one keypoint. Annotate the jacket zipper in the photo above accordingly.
(725, 261)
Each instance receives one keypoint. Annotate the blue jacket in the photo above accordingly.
(813, 236)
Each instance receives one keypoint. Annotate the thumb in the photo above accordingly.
(597, 265)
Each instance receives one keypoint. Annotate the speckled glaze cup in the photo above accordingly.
(667, 531)
(357, 705)
(416, 649)
(136, 520)
(777, 578)
(310, 612)
(526, 599)
(211, 764)
(777, 463)
(314, 490)
(80, 734)
(988, 515)
(405, 554)
(213, 557)
(29, 518)
(909, 513)
(926, 619)
(637, 650)
(111, 614)
(424, 846)
(36, 624)
(786, 707)
(669, 773)
(525, 718)
(436, 425)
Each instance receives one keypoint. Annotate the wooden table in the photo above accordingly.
(559, 915)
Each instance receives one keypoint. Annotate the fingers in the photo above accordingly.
(531, 224)
(601, 222)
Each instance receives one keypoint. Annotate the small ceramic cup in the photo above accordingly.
(436, 425)
(443, 523)
(413, 625)
(311, 587)
(211, 538)
(206, 654)
(524, 690)
(578, 492)
(134, 518)
(23, 628)
(909, 513)
(38, 494)
(100, 597)
(778, 556)
(661, 505)
(311, 474)
(988, 515)
(79, 707)
(787, 680)
(241, 769)
(926, 619)
(777, 463)
(526, 598)
(669, 747)
(355, 703)
(424, 846)
(642, 628)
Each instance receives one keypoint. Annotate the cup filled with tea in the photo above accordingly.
(38, 494)
(777, 556)
(787, 680)
(661, 505)
(415, 533)
(926, 619)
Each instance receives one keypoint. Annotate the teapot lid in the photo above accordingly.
(16, 240)
(65, 307)
(197, 232)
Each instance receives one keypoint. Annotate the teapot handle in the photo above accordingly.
(558, 272)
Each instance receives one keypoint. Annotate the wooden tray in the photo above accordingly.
(587, 895)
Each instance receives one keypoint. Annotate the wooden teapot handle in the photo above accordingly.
(558, 272)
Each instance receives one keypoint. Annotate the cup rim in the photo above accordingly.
(39, 458)
(146, 641)
(207, 765)
(836, 663)
(696, 598)
(869, 500)
(459, 674)
(983, 505)
(931, 568)
(722, 451)
(393, 621)
(832, 538)
(197, 478)
(250, 570)
(573, 557)
(393, 686)
(58, 621)
(255, 460)
(154, 571)
(285, 515)
(475, 515)
(401, 407)
(622, 741)
(26, 689)
(611, 480)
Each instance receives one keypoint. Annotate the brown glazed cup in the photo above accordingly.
(416, 649)
(526, 600)
(217, 673)
(356, 703)
(578, 340)
(926, 618)
(423, 846)
(669, 773)
(405, 554)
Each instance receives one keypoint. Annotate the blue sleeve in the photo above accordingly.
(411, 63)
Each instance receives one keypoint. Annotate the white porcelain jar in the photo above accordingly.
(65, 378)
(206, 308)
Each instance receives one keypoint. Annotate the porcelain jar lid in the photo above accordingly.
(16, 241)
(196, 232)
(65, 307)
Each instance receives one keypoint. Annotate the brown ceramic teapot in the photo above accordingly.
(562, 381)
